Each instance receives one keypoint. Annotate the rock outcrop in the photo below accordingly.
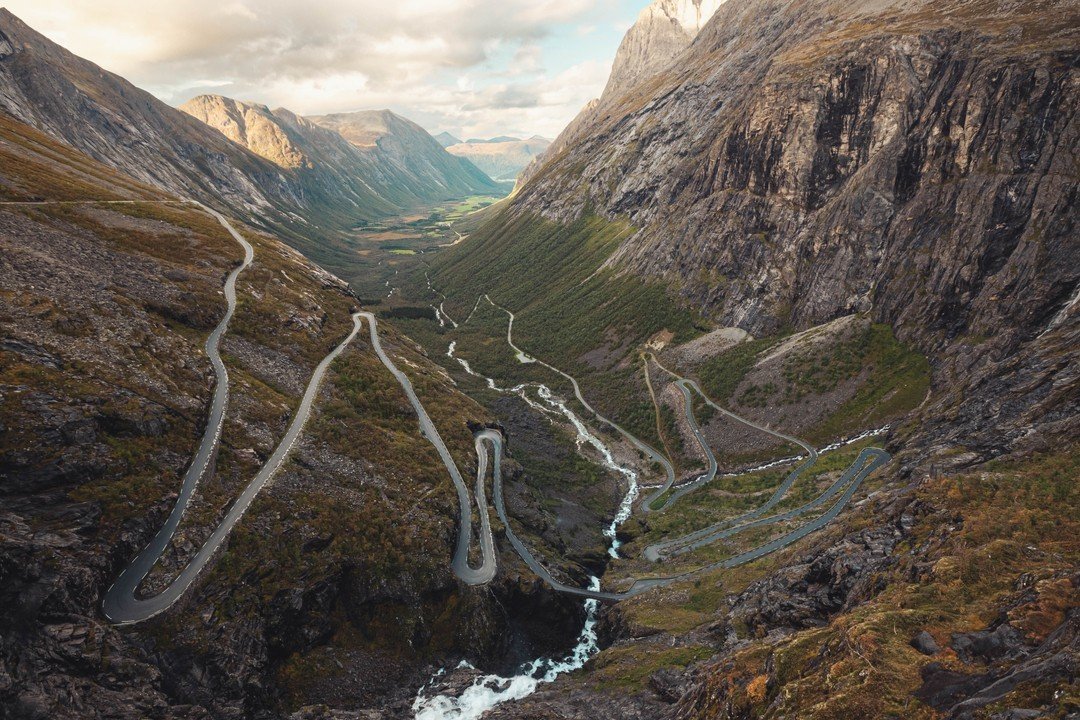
(663, 30)
(254, 126)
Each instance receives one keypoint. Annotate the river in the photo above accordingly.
(490, 690)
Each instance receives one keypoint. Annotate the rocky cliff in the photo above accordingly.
(915, 160)
(663, 30)
(910, 162)
(254, 126)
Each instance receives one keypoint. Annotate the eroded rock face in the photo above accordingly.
(909, 160)
(809, 183)
(249, 124)
(663, 30)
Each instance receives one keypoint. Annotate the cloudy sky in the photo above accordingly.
(477, 68)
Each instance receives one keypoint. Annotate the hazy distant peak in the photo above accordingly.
(446, 139)
(502, 157)
(364, 128)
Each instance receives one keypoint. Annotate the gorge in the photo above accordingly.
(753, 394)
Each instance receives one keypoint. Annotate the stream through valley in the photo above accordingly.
(487, 691)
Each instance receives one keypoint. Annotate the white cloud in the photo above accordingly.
(419, 56)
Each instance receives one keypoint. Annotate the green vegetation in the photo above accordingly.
(312, 527)
(628, 668)
(550, 276)
(570, 312)
(892, 379)
(757, 396)
(721, 374)
(897, 382)
(469, 205)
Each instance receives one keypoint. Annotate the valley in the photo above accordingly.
(752, 395)
(381, 248)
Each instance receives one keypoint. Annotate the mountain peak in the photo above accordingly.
(252, 125)
(663, 30)
(9, 18)
(502, 157)
(365, 128)
(446, 139)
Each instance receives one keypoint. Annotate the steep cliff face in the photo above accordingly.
(910, 162)
(663, 30)
(916, 160)
(254, 126)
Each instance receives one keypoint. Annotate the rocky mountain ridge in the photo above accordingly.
(446, 139)
(820, 191)
(371, 171)
(109, 119)
(912, 163)
(663, 30)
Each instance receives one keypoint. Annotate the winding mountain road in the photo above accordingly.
(869, 460)
(460, 563)
(120, 605)
(650, 452)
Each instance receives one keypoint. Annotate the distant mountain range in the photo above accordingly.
(502, 157)
(375, 161)
(446, 139)
(307, 178)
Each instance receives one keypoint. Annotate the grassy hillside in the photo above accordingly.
(551, 276)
